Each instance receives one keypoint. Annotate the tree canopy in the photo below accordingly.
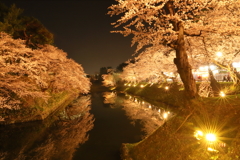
(24, 27)
(36, 73)
(166, 25)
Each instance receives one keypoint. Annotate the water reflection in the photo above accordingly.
(55, 138)
(150, 116)
(109, 98)
(111, 129)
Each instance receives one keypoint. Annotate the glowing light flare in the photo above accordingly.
(166, 88)
(211, 149)
(219, 54)
(198, 134)
(165, 115)
(141, 85)
(222, 94)
(211, 137)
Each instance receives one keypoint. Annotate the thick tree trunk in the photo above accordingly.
(183, 66)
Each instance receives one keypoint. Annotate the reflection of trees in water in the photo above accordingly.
(148, 116)
(112, 99)
(78, 108)
(109, 97)
(56, 138)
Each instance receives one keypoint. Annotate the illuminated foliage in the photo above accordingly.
(158, 24)
(36, 73)
(153, 67)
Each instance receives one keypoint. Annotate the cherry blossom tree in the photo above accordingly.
(111, 78)
(15, 68)
(155, 64)
(224, 52)
(36, 73)
(63, 72)
(160, 23)
(220, 50)
(129, 74)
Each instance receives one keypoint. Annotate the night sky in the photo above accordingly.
(82, 30)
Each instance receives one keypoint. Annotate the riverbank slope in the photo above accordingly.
(179, 137)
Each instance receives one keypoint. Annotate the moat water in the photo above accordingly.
(93, 128)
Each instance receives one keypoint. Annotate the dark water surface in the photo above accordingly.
(111, 129)
(93, 127)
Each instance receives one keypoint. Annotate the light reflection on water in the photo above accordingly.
(151, 117)
(70, 134)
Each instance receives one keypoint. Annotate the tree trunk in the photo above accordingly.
(234, 75)
(183, 66)
(213, 82)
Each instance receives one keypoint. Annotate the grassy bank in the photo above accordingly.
(179, 138)
(33, 109)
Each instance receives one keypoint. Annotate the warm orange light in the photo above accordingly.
(198, 134)
(211, 137)
(165, 115)
(222, 94)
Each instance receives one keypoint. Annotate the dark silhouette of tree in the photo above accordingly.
(23, 27)
(104, 70)
(121, 66)
(34, 32)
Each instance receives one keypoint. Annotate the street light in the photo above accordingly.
(222, 94)
(210, 137)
